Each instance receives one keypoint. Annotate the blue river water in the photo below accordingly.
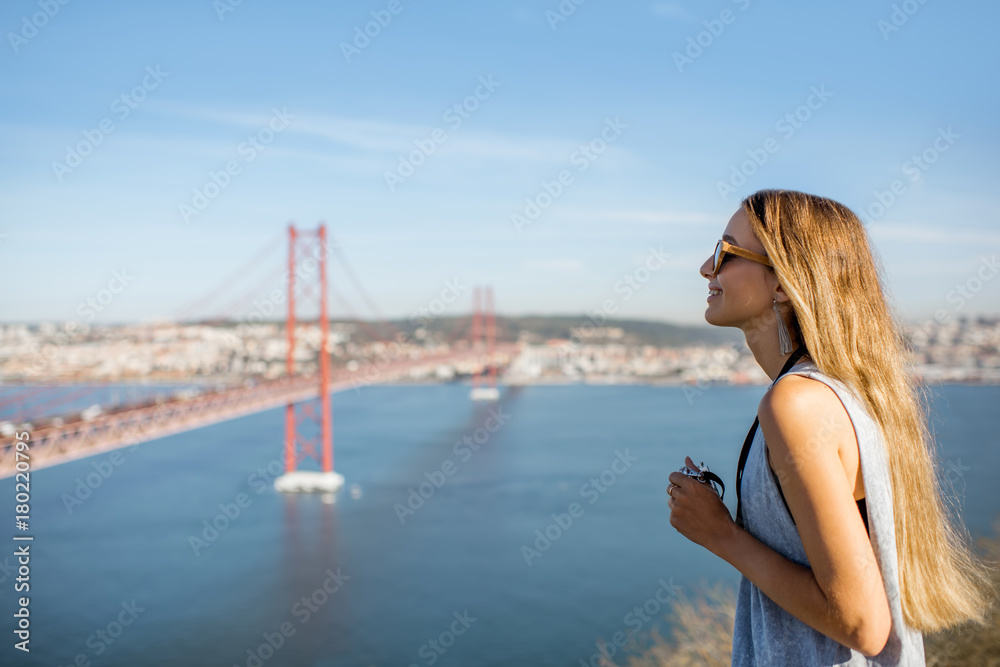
(179, 552)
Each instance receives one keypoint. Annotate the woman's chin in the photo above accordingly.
(717, 320)
(712, 318)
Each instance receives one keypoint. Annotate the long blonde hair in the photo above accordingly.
(823, 260)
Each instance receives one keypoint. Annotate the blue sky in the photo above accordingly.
(344, 121)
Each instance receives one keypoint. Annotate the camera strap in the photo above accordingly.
(710, 477)
(745, 453)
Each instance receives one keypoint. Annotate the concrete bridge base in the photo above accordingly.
(308, 481)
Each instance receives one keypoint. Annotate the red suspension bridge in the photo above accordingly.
(305, 396)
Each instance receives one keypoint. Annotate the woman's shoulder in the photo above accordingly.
(803, 391)
(825, 390)
(807, 409)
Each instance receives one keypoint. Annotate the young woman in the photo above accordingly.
(844, 541)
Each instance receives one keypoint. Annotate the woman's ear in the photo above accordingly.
(779, 294)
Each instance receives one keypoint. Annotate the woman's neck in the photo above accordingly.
(765, 350)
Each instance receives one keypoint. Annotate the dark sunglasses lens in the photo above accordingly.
(719, 254)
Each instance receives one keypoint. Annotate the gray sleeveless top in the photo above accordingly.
(766, 634)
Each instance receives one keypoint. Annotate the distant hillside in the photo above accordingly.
(538, 328)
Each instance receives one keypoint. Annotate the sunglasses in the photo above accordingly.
(722, 249)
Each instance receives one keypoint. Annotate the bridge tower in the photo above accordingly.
(490, 391)
(307, 253)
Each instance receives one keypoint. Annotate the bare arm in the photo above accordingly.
(842, 594)
(795, 589)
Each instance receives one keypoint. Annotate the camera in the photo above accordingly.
(706, 476)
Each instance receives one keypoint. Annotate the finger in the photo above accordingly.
(677, 478)
(689, 463)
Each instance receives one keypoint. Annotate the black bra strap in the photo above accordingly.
(745, 452)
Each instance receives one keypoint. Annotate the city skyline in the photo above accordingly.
(547, 149)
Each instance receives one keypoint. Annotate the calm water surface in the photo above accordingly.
(454, 570)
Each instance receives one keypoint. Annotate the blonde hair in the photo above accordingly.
(823, 260)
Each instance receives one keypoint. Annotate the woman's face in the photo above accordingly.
(747, 286)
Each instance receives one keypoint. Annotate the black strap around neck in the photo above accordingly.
(745, 453)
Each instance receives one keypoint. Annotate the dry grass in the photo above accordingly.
(972, 644)
(702, 631)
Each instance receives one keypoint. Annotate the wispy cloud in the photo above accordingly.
(924, 234)
(639, 216)
(394, 138)
(369, 135)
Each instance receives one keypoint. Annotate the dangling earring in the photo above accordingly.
(784, 338)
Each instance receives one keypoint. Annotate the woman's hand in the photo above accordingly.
(696, 510)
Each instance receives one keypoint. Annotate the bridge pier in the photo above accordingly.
(309, 481)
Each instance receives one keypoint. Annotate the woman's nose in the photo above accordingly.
(706, 269)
